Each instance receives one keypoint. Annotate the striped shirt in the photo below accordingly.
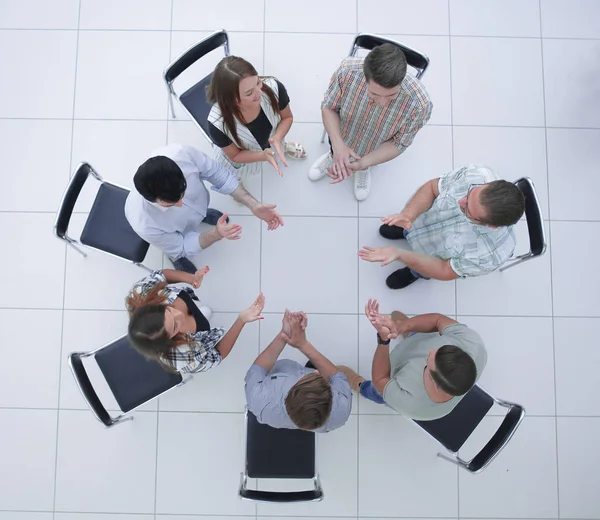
(445, 232)
(364, 125)
(201, 353)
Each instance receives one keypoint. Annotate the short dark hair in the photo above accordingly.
(385, 65)
(160, 178)
(504, 203)
(309, 402)
(455, 371)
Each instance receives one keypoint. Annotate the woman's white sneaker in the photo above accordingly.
(362, 184)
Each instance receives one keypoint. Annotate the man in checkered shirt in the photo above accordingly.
(372, 111)
(458, 225)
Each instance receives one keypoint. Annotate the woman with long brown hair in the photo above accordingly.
(167, 325)
(250, 117)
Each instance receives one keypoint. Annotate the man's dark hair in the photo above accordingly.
(455, 371)
(503, 202)
(385, 65)
(309, 402)
(160, 178)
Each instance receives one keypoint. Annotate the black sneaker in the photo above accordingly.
(185, 265)
(400, 279)
(212, 216)
(391, 232)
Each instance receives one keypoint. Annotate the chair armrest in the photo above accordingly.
(87, 390)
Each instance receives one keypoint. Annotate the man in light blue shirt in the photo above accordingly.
(284, 394)
(170, 201)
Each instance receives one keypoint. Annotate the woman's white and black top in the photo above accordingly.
(201, 354)
(253, 136)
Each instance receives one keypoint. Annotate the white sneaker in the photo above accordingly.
(320, 166)
(206, 311)
(362, 184)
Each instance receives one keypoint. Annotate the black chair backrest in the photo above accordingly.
(455, 428)
(70, 198)
(133, 379)
(499, 439)
(85, 385)
(413, 58)
(278, 452)
(194, 100)
(194, 53)
(533, 214)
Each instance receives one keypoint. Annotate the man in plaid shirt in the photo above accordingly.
(458, 225)
(372, 111)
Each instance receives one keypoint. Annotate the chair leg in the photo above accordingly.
(172, 105)
(72, 244)
(142, 266)
(516, 261)
(323, 136)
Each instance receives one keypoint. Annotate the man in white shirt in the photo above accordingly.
(170, 201)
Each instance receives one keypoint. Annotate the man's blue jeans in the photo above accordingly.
(367, 390)
(414, 273)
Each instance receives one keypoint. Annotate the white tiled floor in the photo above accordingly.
(515, 85)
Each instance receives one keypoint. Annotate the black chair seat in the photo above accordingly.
(454, 429)
(132, 378)
(194, 100)
(107, 228)
(278, 452)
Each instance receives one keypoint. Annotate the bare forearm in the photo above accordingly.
(243, 197)
(247, 156)
(269, 356)
(384, 153)
(174, 276)
(428, 266)
(331, 120)
(209, 238)
(228, 341)
(421, 201)
(433, 322)
(283, 128)
(381, 368)
(325, 367)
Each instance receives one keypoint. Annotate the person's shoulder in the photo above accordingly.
(351, 66)
(416, 90)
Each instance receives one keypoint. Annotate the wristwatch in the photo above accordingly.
(380, 340)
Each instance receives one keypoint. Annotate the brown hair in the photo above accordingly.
(224, 89)
(504, 203)
(385, 65)
(455, 371)
(309, 402)
(147, 325)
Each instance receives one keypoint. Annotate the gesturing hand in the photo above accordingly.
(372, 313)
(297, 336)
(341, 163)
(228, 231)
(398, 219)
(252, 313)
(270, 158)
(267, 213)
(385, 255)
(276, 143)
(198, 276)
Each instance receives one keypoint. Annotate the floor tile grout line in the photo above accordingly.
(296, 122)
(62, 328)
(551, 266)
(320, 33)
(453, 167)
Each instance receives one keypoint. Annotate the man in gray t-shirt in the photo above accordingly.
(284, 394)
(428, 373)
